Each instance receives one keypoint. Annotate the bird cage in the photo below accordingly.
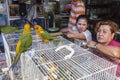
(51, 64)
(10, 41)
(39, 45)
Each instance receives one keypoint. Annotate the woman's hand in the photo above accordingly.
(70, 30)
(91, 44)
(71, 33)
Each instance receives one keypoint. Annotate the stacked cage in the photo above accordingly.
(48, 64)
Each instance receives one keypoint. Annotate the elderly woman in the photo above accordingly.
(106, 44)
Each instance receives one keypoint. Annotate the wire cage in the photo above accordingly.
(10, 41)
(44, 62)
(8, 51)
(49, 64)
(39, 45)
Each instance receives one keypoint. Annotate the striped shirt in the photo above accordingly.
(78, 8)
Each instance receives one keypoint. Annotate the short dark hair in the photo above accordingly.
(82, 17)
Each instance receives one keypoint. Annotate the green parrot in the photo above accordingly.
(24, 42)
(9, 29)
(44, 36)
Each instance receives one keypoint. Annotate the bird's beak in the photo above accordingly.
(35, 28)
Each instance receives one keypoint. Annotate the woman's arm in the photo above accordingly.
(65, 30)
(76, 35)
(112, 51)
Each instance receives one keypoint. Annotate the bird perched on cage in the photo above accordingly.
(44, 36)
(24, 42)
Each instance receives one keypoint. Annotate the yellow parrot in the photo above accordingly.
(24, 42)
(44, 36)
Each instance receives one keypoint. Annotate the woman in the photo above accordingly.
(106, 44)
(80, 30)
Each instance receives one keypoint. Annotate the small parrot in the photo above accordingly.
(9, 29)
(44, 36)
(24, 42)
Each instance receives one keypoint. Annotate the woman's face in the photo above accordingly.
(82, 25)
(104, 34)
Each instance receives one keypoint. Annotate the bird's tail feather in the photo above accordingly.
(15, 61)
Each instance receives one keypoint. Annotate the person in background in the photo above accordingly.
(78, 8)
(80, 30)
(106, 46)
